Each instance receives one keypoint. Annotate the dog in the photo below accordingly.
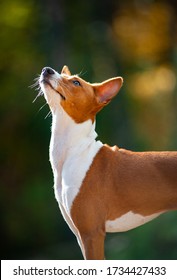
(100, 188)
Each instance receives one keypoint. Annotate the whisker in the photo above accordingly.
(81, 73)
(48, 115)
(39, 94)
(36, 83)
(37, 87)
(42, 107)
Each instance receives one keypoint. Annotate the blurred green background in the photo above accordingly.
(134, 39)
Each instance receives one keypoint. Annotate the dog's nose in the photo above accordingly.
(47, 71)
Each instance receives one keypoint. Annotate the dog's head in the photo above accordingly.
(80, 100)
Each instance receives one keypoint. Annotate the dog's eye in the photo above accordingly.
(76, 83)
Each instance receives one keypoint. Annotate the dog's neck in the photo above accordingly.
(72, 149)
(68, 138)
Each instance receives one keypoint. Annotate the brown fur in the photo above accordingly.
(120, 181)
(83, 102)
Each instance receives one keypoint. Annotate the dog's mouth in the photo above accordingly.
(45, 81)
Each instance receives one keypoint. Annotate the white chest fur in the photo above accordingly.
(72, 149)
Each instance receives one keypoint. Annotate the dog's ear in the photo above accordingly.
(66, 70)
(108, 89)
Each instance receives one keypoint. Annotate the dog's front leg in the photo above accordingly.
(93, 243)
(71, 226)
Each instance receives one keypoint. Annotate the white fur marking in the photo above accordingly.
(128, 221)
(72, 148)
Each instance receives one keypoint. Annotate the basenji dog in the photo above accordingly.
(100, 188)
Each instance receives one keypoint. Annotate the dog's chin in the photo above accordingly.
(52, 97)
(47, 88)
